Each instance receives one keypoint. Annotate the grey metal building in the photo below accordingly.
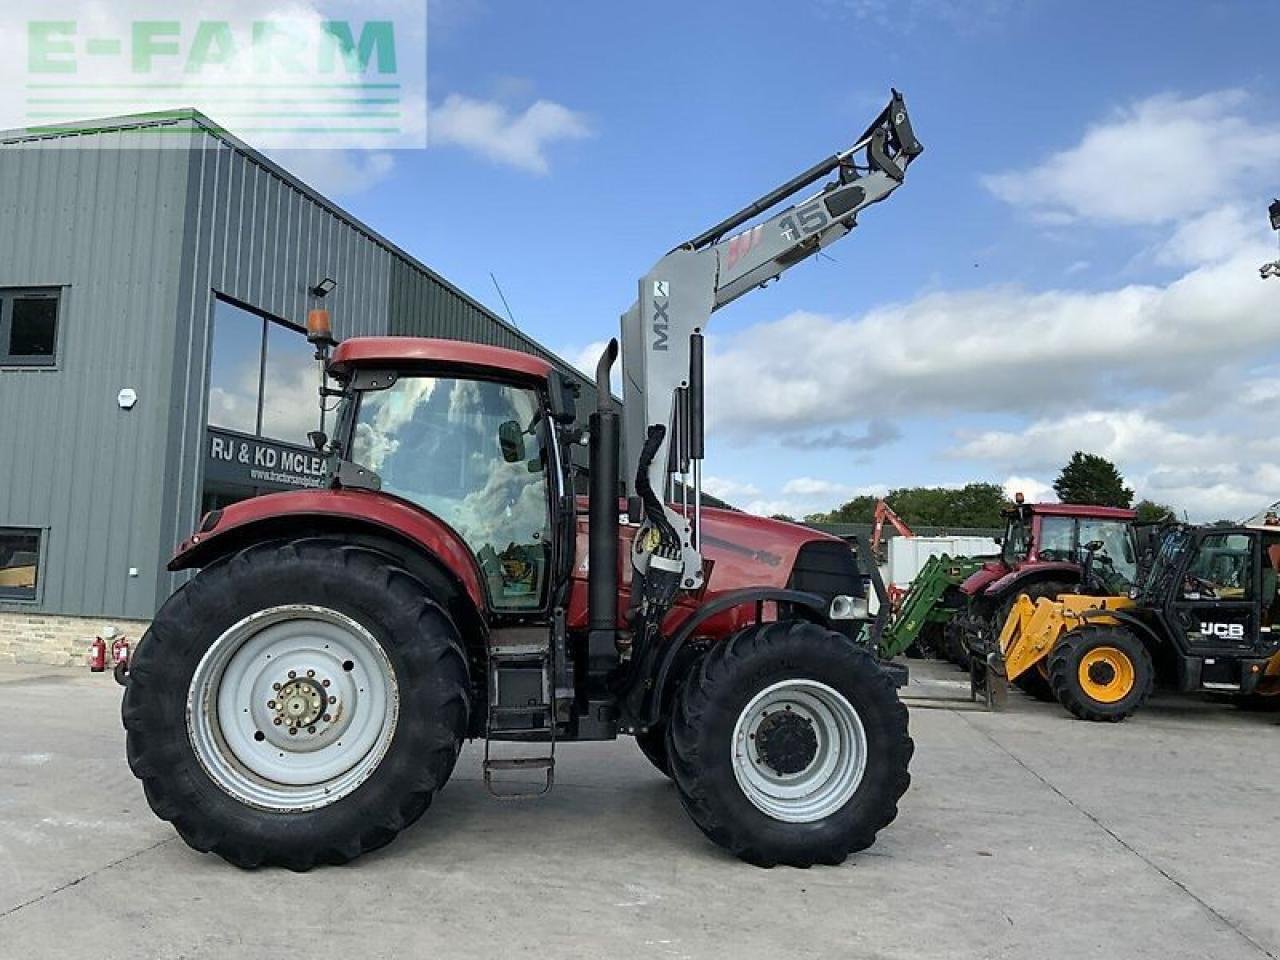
(152, 359)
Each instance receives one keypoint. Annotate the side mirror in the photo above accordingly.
(511, 441)
(318, 439)
(1093, 546)
(563, 395)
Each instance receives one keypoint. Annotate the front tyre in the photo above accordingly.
(789, 745)
(1101, 673)
(297, 703)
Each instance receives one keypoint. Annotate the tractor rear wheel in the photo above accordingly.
(296, 703)
(1034, 682)
(1101, 673)
(789, 745)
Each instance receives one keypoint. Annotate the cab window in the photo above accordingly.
(1057, 539)
(1221, 569)
(470, 452)
(1115, 559)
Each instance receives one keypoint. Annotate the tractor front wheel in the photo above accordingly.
(296, 703)
(789, 745)
(1101, 673)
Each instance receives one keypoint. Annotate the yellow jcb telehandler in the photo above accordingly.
(1203, 616)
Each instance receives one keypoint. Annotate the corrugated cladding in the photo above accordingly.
(104, 224)
(141, 239)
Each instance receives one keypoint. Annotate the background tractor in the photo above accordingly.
(1202, 617)
(304, 696)
(1039, 557)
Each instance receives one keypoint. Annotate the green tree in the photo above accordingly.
(784, 517)
(1089, 478)
(973, 505)
(1149, 511)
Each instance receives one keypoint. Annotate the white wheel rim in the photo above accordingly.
(300, 668)
(832, 774)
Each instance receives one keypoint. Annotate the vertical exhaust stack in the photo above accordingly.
(602, 543)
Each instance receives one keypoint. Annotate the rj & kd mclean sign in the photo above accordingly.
(244, 461)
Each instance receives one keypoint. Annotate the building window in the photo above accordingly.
(28, 326)
(263, 376)
(19, 563)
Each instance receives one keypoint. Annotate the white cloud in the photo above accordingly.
(337, 172)
(992, 349)
(815, 487)
(1211, 473)
(729, 490)
(1156, 161)
(1032, 489)
(496, 132)
(801, 496)
(1211, 237)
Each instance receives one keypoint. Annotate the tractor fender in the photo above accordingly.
(1018, 579)
(674, 650)
(308, 512)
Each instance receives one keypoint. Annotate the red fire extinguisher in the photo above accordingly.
(97, 656)
(120, 659)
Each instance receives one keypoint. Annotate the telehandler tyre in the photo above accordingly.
(1101, 673)
(789, 745)
(296, 703)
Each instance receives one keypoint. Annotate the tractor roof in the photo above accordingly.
(398, 351)
(1082, 510)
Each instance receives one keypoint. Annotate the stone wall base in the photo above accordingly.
(56, 640)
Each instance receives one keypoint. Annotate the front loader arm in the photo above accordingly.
(662, 333)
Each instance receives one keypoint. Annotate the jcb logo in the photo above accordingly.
(1224, 631)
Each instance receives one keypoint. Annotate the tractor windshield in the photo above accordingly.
(470, 452)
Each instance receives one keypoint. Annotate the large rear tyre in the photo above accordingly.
(1101, 673)
(1034, 682)
(297, 703)
(789, 745)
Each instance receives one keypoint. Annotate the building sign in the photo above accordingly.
(240, 460)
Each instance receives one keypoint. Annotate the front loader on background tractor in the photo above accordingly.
(1039, 557)
(303, 697)
(1202, 617)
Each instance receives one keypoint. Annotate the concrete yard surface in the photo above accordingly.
(1024, 834)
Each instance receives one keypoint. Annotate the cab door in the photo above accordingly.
(1214, 611)
(479, 455)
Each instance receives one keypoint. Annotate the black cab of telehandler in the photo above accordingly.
(1210, 605)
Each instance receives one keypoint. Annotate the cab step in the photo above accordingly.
(522, 708)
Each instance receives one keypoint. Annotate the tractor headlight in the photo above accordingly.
(848, 608)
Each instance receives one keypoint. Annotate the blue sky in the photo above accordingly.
(1072, 263)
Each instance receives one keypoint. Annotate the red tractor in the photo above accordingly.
(1040, 556)
(302, 698)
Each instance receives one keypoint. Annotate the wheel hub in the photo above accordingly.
(300, 703)
(786, 741)
(1101, 673)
